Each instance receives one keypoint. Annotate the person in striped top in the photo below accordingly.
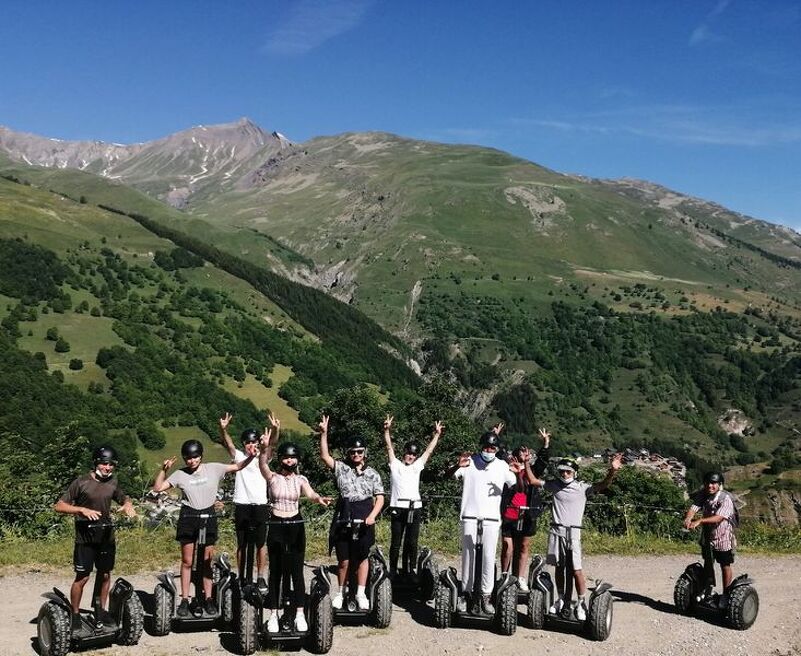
(718, 520)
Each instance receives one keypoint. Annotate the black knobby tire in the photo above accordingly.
(227, 607)
(321, 628)
(536, 609)
(684, 593)
(53, 630)
(382, 614)
(164, 602)
(247, 627)
(506, 611)
(743, 607)
(442, 607)
(429, 579)
(599, 616)
(133, 620)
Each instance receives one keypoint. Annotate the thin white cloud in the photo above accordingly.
(702, 33)
(310, 23)
(676, 123)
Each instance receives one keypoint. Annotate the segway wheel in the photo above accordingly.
(599, 617)
(247, 629)
(536, 609)
(429, 580)
(506, 611)
(382, 614)
(227, 607)
(321, 626)
(164, 602)
(684, 593)
(133, 619)
(53, 630)
(442, 607)
(743, 607)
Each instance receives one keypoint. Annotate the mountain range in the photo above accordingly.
(466, 253)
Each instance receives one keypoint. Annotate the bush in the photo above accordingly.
(76, 364)
(62, 345)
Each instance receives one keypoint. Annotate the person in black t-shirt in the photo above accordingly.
(89, 498)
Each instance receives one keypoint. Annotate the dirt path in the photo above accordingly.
(644, 622)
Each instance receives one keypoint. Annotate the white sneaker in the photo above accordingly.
(557, 606)
(581, 610)
(362, 601)
(336, 602)
(272, 623)
(300, 622)
(522, 585)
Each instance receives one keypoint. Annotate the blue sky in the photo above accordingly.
(703, 96)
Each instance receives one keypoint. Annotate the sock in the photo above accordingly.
(299, 612)
(360, 590)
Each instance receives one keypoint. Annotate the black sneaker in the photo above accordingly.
(210, 607)
(486, 605)
(183, 608)
(261, 585)
(77, 623)
(104, 618)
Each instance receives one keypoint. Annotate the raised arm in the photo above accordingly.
(463, 461)
(275, 425)
(309, 493)
(614, 467)
(388, 438)
(264, 455)
(236, 466)
(532, 476)
(324, 453)
(224, 422)
(438, 426)
(161, 484)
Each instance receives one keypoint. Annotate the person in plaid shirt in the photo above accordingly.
(719, 517)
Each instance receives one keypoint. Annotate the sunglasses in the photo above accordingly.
(356, 452)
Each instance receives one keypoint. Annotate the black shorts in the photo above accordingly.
(247, 514)
(190, 523)
(346, 547)
(723, 557)
(509, 528)
(87, 556)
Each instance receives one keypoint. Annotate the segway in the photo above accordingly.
(694, 594)
(166, 592)
(252, 630)
(378, 589)
(542, 595)
(57, 634)
(453, 603)
(420, 581)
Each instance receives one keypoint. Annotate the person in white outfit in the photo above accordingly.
(484, 477)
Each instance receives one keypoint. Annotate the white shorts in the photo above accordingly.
(560, 545)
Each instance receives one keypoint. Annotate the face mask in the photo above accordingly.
(102, 477)
(292, 469)
(486, 456)
(568, 481)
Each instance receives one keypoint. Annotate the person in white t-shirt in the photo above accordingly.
(405, 497)
(484, 478)
(250, 495)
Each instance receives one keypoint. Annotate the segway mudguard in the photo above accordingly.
(167, 579)
(599, 589)
(121, 592)
(740, 581)
(59, 598)
(450, 580)
(322, 577)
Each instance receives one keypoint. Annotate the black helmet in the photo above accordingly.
(288, 450)
(250, 435)
(567, 464)
(356, 443)
(411, 448)
(191, 449)
(105, 455)
(713, 477)
(490, 439)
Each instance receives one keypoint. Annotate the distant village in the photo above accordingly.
(655, 462)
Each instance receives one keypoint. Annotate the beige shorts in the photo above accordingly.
(560, 545)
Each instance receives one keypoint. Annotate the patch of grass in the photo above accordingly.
(177, 435)
(267, 397)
